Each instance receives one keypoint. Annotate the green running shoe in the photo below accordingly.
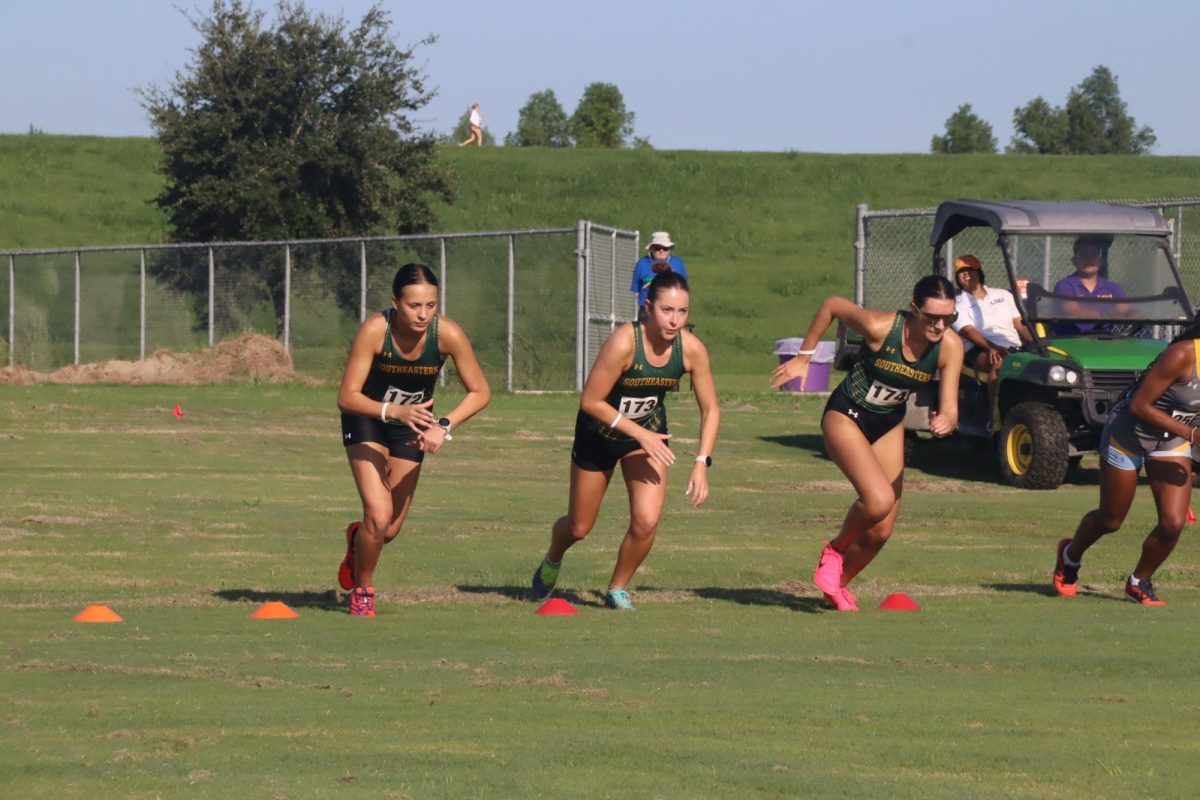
(618, 599)
(544, 578)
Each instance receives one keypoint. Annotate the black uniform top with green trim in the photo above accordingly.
(638, 394)
(882, 380)
(396, 379)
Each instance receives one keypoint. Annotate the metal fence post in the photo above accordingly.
(860, 252)
(12, 310)
(287, 298)
(76, 307)
(580, 302)
(512, 272)
(442, 293)
(142, 305)
(212, 290)
(612, 282)
(362, 282)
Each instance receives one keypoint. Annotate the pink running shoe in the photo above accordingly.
(346, 568)
(842, 600)
(828, 576)
(362, 602)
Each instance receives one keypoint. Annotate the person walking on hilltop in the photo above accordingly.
(388, 423)
(863, 423)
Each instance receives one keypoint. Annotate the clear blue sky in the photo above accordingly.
(844, 76)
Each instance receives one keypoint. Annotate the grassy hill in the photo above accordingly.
(765, 235)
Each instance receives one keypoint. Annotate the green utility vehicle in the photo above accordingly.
(1053, 395)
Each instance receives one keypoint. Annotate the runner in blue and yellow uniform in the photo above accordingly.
(388, 424)
(863, 420)
(622, 419)
(1153, 425)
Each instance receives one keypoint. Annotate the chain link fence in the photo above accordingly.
(512, 291)
(893, 251)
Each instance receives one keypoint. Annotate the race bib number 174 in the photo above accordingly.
(881, 394)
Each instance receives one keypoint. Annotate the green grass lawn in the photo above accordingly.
(730, 680)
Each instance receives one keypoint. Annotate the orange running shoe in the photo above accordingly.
(1142, 592)
(346, 568)
(1066, 579)
(362, 602)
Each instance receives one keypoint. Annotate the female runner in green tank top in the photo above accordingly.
(622, 420)
(863, 423)
(388, 423)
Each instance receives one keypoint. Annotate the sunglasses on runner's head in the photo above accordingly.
(934, 319)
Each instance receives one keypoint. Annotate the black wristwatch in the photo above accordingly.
(705, 460)
(445, 423)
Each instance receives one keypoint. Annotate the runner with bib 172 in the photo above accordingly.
(863, 420)
(622, 419)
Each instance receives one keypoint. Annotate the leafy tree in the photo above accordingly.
(1095, 121)
(296, 129)
(600, 119)
(463, 129)
(542, 123)
(965, 133)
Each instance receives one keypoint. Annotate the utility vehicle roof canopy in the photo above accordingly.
(1041, 217)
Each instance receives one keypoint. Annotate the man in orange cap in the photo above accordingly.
(988, 320)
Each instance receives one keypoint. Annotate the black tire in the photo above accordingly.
(1033, 450)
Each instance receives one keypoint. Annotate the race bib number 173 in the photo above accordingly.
(637, 407)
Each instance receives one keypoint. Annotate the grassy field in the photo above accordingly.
(765, 235)
(730, 679)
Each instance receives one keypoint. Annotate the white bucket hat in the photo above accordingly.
(660, 239)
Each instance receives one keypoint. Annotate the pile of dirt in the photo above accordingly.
(252, 358)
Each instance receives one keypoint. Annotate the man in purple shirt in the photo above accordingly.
(1086, 281)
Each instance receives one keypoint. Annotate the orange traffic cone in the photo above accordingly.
(1191, 516)
(899, 602)
(97, 613)
(556, 606)
(178, 412)
(273, 609)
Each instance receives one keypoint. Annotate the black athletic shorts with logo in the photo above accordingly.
(873, 424)
(594, 453)
(400, 440)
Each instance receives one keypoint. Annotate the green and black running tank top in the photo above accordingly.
(639, 392)
(395, 379)
(883, 379)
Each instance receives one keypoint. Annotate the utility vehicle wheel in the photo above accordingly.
(1033, 448)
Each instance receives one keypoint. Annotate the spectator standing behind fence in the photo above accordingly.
(661, 258)
(476, 123)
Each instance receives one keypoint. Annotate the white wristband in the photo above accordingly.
(616, 420)
(701, 459)
(383, 412)
(806, 352)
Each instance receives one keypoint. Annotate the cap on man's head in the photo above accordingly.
(967, 262)
(660, 239)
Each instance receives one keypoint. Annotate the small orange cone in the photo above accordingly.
(178, 412)
(273, 609)
(1191, 516)
(556, 606)
(97, 613)
(899, 602)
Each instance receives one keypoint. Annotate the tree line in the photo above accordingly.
(1093, 121)
(600, 120)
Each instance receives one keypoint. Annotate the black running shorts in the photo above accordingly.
(594, 453)
(400, 440)
(873, 424)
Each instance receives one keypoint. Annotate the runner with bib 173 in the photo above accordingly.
(863, 420)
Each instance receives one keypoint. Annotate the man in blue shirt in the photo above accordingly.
(662, 257)
(1086, 281)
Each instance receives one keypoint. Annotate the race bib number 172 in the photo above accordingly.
(400, 397)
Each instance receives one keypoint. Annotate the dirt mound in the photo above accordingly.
(251, 358)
